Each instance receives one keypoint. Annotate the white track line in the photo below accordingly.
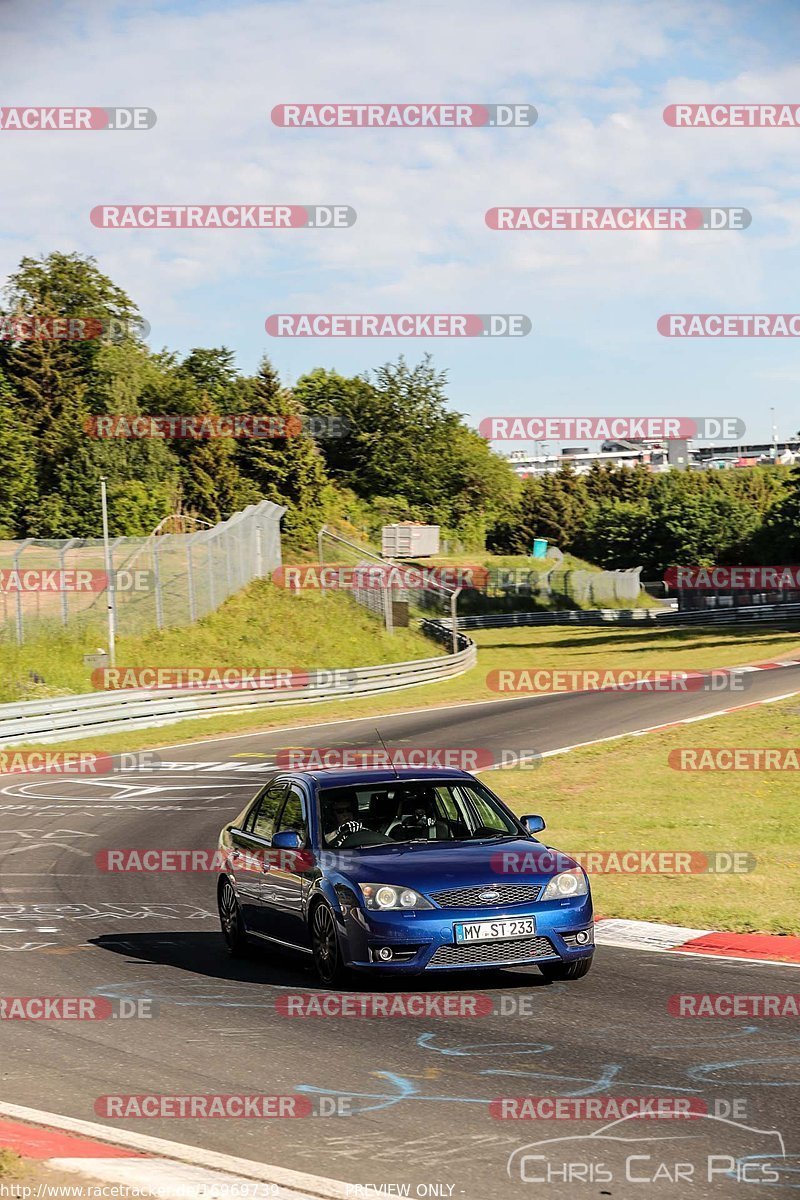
(454, 707)
(300, 1181)
(615, 737)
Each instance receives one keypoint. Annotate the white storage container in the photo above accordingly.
(408, 540)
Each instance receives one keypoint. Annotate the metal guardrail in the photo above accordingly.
(750, 614)
(65, 718)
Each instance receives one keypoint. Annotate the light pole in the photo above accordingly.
(112, 652)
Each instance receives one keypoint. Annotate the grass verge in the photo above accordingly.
(261, 626)
(548, 647)
(10, 1164)
(625, 796)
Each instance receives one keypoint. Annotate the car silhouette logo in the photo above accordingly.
(489, 895)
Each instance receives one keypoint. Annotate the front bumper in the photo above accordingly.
(424, 940)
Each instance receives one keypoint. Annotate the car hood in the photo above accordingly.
(436, 866)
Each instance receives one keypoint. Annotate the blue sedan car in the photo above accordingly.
(400, 872)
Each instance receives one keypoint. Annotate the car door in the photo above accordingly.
(285, 886)
(251, 855)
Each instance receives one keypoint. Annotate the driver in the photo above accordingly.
(343, 814)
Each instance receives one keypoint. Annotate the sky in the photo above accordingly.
(599, 73)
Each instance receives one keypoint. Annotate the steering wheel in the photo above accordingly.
(409, 821)
(340, 835)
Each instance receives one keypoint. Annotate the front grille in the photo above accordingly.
(508, 894)
(476, 953)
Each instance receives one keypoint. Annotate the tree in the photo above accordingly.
(289, 469)
(401, 440)
(17, 476)
(779, 539)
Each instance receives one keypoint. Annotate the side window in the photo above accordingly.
(481, 814)
(262, 822)
(446, 804)
(294, 813)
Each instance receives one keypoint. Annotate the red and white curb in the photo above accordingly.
(164, 1169)
(769, 948)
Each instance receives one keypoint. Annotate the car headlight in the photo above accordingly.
(566, 885)
(382, 897)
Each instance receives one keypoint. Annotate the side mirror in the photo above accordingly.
(533, 824)
(287, 839)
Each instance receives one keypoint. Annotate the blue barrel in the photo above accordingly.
(539, 547)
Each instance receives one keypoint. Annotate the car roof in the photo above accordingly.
(346, 777)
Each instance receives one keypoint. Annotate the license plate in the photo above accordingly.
(495, 931)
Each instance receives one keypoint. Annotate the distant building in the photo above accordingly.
(674, 454)
(692, 599)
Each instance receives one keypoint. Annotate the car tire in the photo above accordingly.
(325, 947)
(231, 921)
(562, 971)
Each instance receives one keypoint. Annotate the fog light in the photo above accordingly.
(582, 937)
(385, 953)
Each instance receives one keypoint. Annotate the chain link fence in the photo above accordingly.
(515, 588)
(396, 606)
(162, 580)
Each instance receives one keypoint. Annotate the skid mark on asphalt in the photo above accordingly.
(434, 1150)
(75, 808)
(196, 994)
(73, 920)
(43, 839)
(710, 1072)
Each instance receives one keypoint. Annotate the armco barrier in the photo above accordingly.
(64, 718)
(634, 616)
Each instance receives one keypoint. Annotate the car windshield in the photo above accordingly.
(411, 812)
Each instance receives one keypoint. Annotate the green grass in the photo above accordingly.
(618, 796)
(10, 1164)
(557, 647)
(261, 626)
(624, 796)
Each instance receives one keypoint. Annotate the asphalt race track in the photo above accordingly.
(410, 1096)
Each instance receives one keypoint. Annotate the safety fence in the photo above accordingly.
(65, 718)
(162, 580)
(771, 613)
(548, 583)
(396, 607)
